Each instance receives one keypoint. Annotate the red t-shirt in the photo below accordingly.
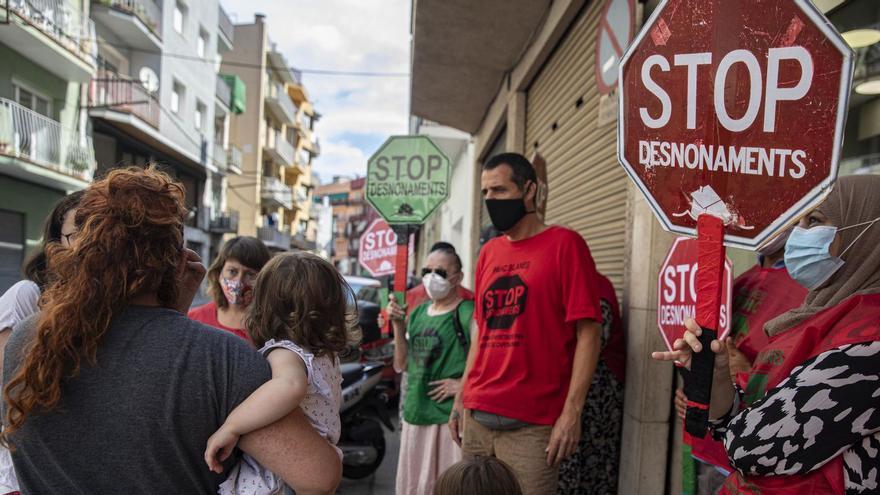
(614, 348)
(530, 294)
(759, 295)
(207, 314)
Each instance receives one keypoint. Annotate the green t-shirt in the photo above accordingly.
(433, 353)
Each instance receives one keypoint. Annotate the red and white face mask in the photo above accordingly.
(237, 292)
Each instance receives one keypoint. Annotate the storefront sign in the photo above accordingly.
(677, 291)
(407, 179)
(734, 108)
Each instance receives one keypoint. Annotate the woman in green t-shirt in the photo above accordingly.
(431, 346)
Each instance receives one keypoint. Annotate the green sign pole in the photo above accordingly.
(407, 179)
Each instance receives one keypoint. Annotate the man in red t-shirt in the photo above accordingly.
(537, 323)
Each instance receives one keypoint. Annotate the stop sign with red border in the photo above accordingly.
(734, 108)
(677, 291)
(378, 247)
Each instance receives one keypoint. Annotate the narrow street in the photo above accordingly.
(382, 482)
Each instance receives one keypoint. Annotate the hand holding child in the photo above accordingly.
(220, 447)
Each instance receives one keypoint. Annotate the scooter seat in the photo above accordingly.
(351, 372)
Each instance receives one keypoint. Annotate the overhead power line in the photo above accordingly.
(317, 72)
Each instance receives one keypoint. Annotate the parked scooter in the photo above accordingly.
(364, 406)
(365, 399)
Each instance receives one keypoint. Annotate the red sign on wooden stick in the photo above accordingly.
(677, 291)
(377, 249)
(734, 108)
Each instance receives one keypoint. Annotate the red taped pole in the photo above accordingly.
(400, 263)
(698, 382)
(710, 259)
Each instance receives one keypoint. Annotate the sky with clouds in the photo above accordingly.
(358, 113)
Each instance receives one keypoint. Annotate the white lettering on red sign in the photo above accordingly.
(380, 240)
(770, 162)
(679, 295)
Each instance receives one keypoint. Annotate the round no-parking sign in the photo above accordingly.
(616, 30)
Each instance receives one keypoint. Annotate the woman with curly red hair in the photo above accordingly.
(111, 388)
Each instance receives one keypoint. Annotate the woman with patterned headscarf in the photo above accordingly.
(808, 420)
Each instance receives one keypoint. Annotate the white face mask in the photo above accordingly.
(436, 286)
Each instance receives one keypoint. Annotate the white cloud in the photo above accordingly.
(347, 35)
(341, 159)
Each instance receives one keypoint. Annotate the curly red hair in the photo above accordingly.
(129, 243)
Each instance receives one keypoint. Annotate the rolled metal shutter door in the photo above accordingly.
(587, 186)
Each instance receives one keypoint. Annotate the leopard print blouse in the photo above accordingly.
(828, 406)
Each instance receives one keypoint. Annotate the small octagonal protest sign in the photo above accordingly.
(407, 179)
(677, 292)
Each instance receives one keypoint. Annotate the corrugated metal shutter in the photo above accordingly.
(587, 187)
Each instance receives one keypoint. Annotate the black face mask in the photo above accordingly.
(506, 213)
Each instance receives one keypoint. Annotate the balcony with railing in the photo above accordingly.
(113, 93)
(226, 29)
(280, 104)
(221, 157)
(138, 22)
(274, 238)
(223, 92)
(301, 196)
(279, 148)
(235, 158)
(276, 194)
(34, 26)
(35, 139)
(224, 222)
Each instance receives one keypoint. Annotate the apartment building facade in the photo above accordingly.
(150, 101)
(48, 54)
(304, 221)
(274, 192)
(351, 215)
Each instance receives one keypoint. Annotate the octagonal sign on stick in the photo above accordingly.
(378, 248)
(677, 292)
(407, 179)
(734, 108)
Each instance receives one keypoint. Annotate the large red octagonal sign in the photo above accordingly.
(734, 108)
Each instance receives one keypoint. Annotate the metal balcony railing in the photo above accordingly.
(301, 196)
(125, 95)
(279, 97)
(274, 238)
(221, 157)
(223, 91)
(281, 148)
(27, 135)
(275, 191)
(224, 222)
(146, 10)
(62, 21)
(235, 158)
(225, 25)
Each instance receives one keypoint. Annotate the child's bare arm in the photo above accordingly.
(274, 400)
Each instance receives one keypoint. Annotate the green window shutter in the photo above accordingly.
(239, 92)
